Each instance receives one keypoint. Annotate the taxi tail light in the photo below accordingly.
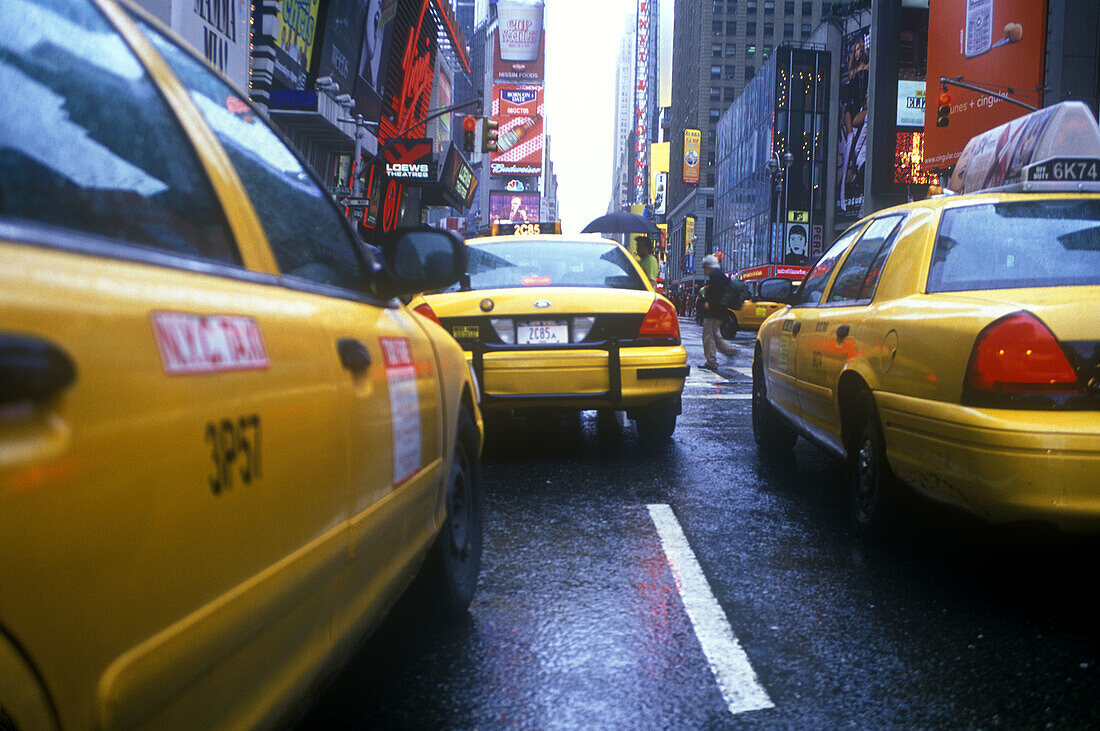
(426, 310)
(1019, 355)
(660, 322)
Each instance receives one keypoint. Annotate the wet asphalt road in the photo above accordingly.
(578, 621)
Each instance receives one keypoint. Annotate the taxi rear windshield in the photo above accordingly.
(548, 264)
(1041, 243)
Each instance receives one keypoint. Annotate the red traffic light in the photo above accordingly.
(945, 99)
(469, 123)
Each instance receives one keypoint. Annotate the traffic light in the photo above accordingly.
(469, 133)
(944, 111)
(489, 135)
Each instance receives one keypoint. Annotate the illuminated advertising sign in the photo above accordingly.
(513, 207)
(692, 147)
(370, 57)
(297, 21)
(535, 228)
(997, 45)
(520, 42)
(220, 31)
(458, 179)
(642, 63)
(518, 110)
(410, 161)
(855, 118)
(908, 157)
(689, 235)
(910, 103)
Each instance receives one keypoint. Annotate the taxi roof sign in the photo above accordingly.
(1047, 150)
(533, 228)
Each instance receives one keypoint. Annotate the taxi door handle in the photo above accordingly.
(842, 332)
(353, 355)
(32, 369)
(795, 328)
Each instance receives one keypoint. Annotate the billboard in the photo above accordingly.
(910, 103)
(513, 207)
(995, 44)
(297, 22)
(519, 46)
(643, 96)
(372, 55)
(341, 42)
(851, 159)
(518, 110)
(220, 31)
(693, 139)
(410, 161)
(458, 180)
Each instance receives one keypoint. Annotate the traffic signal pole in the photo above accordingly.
(957, 81)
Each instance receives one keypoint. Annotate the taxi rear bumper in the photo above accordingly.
(589, 375)
(1003, 464)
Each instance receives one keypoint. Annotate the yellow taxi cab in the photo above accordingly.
(752, 313)
(225, 446)
(550, 321)
(952, 345)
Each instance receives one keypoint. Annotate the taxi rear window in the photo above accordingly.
(1018, 244)
(548, 264)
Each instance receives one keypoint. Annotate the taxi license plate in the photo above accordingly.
(465, 332)
(542, 331)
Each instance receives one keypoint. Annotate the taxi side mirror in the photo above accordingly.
(418, 260)
(777, 290)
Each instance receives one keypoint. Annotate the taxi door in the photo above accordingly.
(794, 325)
(831, 334)
(382, 363)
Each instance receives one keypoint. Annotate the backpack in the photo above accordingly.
(734, 293)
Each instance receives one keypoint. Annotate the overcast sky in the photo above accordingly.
(582, 42)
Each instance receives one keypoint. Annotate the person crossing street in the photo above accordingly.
(713, 313)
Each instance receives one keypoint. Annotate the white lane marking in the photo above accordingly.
(743, 371)
(729, 663)
(733, 396)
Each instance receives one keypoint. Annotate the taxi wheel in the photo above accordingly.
(773, 436)
(454, 561)
(728, 328)
(872, 488)
(656, 424)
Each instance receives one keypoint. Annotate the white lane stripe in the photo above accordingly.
(729, 663)
(735, 396)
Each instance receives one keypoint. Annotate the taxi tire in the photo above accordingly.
(774, 437)
(656, 424)
(728, 328)
(873, 490)
(452, 566)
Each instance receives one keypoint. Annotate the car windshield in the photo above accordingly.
(542, 263)
(1040, 243)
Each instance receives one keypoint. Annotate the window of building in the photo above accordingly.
(716, 49)
(769, 30)
(715, 94)
(715, 114)
(788, 30)
(750, 6)
(769, 7)
(826, 9)
(731, 50)
(806, 29)
(710, 184)
(750, 51)
(731, 72)
(749, 73)
(767, 53)
(731, 28)
(807, 8)
(718, 7)
(715, 72)
(750, 28)
(788, 7)
(716, 27)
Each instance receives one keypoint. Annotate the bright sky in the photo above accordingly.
(582, 43)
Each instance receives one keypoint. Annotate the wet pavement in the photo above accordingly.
(580, 622)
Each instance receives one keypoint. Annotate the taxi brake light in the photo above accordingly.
(660, 322)
(426, 310)
(1018, 354)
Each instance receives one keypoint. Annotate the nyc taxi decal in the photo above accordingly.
(197, 344)
(404, 407)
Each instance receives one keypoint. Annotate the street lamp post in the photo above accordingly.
(777, 166)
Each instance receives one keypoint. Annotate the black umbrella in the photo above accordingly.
(621, 222)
